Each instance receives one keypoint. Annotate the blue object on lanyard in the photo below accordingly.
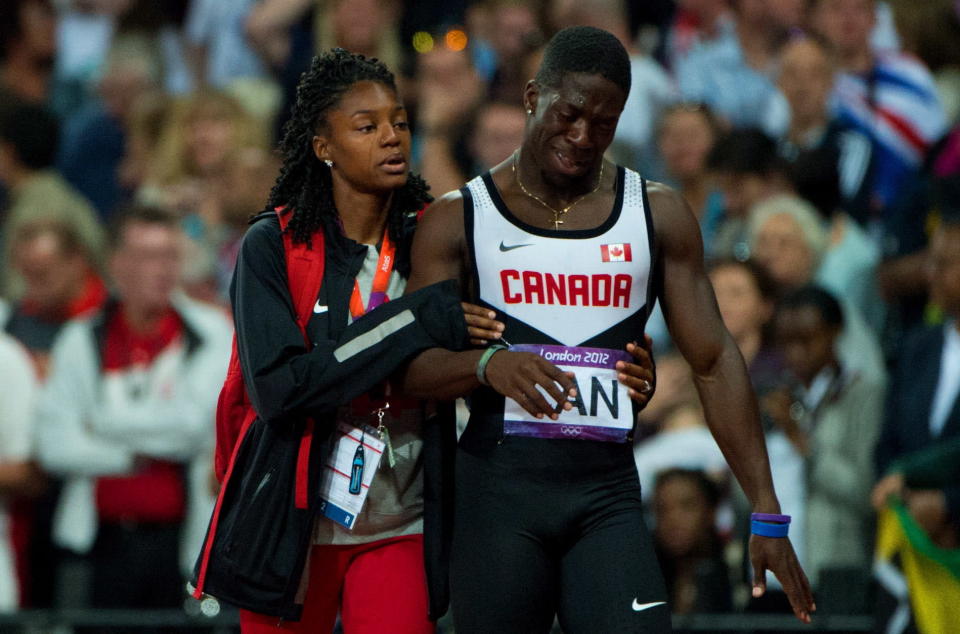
(356, 471)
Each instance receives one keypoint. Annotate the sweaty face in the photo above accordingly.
(806, 78)
(685, 140)
(368, 139)
(805, 340)
(742, 307)
(780, 247)
(574, 123)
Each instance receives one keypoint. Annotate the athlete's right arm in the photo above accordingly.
(440, 253)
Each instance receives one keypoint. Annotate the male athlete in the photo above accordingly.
(571, 251)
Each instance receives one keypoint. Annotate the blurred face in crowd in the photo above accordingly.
(743, 307)
(685, 140)
(805, 340)
(38, 32)
(684, 517)
(357, 25)
(742, 190)
(944, 269)
(367, 137)
(209, 141)
(846, 24)
(246, 186)
(787, 14)
(572, 124)
(52, 270)
(752, 12)
(146, 264)
(806, 79)
(781, 248)
(498, 132)
(515, 29)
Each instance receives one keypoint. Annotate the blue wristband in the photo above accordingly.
(769, 529)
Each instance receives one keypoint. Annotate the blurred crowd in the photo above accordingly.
(816, 141)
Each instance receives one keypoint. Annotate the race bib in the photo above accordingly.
(602, 409)
(348, 473)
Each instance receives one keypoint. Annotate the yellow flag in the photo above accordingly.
(930, 571)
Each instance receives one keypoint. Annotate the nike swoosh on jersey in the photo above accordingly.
(639, 607)
(506, 248)
(317, 308)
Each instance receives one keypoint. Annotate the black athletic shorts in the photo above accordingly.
(547, 527)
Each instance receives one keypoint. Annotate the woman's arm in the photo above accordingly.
(284, 377)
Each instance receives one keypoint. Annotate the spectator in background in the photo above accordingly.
(790, 242)
(687, 544)
(240, 195)
(735, 76)
(685, 138)
(745, 296)
(127, 418)
(929, 411)
(698, 23)
(514, 31)
(27, 51)
(889, 97)
(650, 90)
(831, 418)
(448, 89)
(60, 283)
(18, 476)
(200, 136)
(931, 31)
(216, 38)
(681, 438)
(806, 79)
(98, 128)
(747, 171)
(28, 144)
(144, 129)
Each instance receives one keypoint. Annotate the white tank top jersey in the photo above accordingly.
(574, 288)
(574, 297)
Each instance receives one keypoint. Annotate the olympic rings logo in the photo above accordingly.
(569, 430)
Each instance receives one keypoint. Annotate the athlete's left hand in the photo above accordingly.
(481, 324)
(640, 377)
(776, 555)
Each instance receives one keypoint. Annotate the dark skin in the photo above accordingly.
(569, 128)
(367, 138)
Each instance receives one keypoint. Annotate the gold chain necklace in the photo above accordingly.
(557, 213)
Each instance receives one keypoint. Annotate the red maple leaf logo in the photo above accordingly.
(616, 252)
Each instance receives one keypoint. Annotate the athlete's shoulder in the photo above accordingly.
(444, 209)
(673, 220)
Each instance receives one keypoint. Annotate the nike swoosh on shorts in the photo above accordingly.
(317, 308)
(639, 607)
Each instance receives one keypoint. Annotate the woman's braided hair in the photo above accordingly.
(305, 184)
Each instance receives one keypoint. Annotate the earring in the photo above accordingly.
(328, 162)
(529, 111)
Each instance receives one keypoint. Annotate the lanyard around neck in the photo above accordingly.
(381, 280)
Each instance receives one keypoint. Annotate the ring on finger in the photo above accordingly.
(645, 386)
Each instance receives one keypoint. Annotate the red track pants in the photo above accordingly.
(378, 587)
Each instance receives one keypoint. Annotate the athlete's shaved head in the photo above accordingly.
(585, 49)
